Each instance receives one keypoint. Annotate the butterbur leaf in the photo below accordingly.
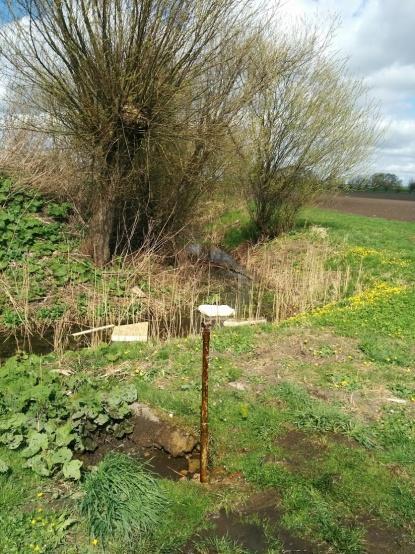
(60, 456)
(89, 444)
(102, 419)
(123, 428)
(72, 470)
(129, 393)
(119, 412)
(90, 427)
(12, 422)
(119, 395)
(38, 465)
(36, 443)
(12, 441)
(78, 414)
(4, 468)
(64, 435)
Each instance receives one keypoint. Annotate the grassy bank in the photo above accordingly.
(50, 289)
(315, 415)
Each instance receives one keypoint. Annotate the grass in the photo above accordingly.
(122, 500)
(311, 419)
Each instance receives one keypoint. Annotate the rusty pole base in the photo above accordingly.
(204, 429)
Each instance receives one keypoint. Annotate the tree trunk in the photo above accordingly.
(97, 243)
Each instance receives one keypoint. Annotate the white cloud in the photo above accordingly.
(378, 38)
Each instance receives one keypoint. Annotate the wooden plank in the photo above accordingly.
(243, 322)
(93, 330)
(135, 332)
(138, 292)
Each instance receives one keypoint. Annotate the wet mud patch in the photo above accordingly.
(169, 451)
(381, 539)
(254, 527)
(299, 449)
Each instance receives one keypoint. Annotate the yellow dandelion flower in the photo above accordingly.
(94, 542)
(39, 494)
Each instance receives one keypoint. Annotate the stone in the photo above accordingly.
(142, 410)
(193, 465)
(175, 441)
(237, 385)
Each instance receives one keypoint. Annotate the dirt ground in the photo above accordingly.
(402, 210)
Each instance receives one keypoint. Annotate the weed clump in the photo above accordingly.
(122, 499)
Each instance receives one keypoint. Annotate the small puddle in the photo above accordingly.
(142, 444)
(244, 529)
(159, 462)
(10, 345)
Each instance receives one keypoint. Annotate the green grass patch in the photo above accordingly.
(122, 500)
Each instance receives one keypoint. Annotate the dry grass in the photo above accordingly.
(287, 276)
(292, 276)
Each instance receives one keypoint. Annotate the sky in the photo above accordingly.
(378, 39)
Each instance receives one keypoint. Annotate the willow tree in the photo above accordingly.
(308, 129)
(139, 92)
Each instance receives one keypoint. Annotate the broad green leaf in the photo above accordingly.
(36, 443)
(12, 422)
(4, 468)
(72, 470)
(64, 434)
(123, 428)
(60, 456)
(102, 419)
(119, 412)
(12, 441)
(38, 465)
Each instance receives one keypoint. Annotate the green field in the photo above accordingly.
(313, 417)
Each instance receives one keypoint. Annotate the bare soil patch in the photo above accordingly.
(306, 346)
(401, 210)
(299, 449)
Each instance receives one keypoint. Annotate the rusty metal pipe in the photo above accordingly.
(204, 430)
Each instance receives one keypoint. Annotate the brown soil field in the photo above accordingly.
(402, 210)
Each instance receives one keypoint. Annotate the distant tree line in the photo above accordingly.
(378, 182)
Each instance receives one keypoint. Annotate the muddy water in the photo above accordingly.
(244, 528)
(10, 345)
(142, 444)
(159, 462)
